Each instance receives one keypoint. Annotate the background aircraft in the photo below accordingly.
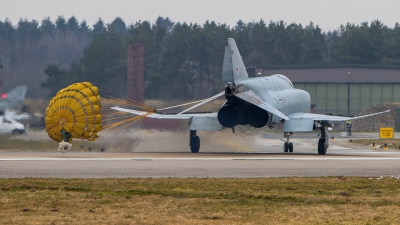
(13, 99)
(258, 102)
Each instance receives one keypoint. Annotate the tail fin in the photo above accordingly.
(233, 68)
(17, 94)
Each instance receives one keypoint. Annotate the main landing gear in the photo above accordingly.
(287, 146)
(323, 142)
(194, 142)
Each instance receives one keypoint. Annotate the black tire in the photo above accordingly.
(321, 146)
(285, 147)
(17, 131)
(290, 146)
(195, 144)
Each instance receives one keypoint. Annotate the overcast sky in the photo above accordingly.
(328, 15)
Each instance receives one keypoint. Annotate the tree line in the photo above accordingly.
(181, 60)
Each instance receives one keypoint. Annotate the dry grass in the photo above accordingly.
(333, 200)
(391, 143)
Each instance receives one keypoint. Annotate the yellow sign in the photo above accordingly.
(386, 133)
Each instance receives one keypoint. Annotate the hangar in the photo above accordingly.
(342, 91)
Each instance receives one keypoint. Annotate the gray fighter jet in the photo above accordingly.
(13, 99)
(258, 102)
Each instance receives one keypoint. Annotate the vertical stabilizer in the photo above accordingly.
(17, 95)
(227, 71)
(233, 68)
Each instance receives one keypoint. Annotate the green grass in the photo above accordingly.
(332, 200)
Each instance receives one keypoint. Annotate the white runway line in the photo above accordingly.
(198, 159)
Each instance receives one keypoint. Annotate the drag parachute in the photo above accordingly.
(74, 113)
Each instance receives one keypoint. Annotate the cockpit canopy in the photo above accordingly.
(283, 77)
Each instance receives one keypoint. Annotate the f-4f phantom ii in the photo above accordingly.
(13, 98)
(258, 102)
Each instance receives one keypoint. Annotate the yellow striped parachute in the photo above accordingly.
(74, 113)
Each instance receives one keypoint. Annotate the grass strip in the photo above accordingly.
(328, 200)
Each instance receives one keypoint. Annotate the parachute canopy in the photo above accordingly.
(74, 113)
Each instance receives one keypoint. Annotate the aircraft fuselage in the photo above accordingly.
(277, 90)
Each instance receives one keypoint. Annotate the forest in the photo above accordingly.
(182, 60)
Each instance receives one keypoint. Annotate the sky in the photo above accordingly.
(328, 15)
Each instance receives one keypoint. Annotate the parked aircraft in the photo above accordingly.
(258, 102)
(10, 126)
(13, 99)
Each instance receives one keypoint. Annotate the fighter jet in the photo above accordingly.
(258, 102)
(13, 99)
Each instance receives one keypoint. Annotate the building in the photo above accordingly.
(342, 91)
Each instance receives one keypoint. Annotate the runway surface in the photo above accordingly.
(342, 160)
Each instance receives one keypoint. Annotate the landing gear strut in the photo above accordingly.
(323, 142)
(194, 141)
(287, 146)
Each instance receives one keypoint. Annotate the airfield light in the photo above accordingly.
(3, 96)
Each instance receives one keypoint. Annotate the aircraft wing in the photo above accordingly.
(198, 121)
(300, 122)
(321, 117)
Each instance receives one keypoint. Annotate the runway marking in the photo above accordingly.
(198, 159)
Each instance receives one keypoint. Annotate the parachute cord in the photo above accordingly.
(114, 118)
(66, 136)
(107, 127)
(131, 121)
(189, 103)
(124, 102)
(130, 101)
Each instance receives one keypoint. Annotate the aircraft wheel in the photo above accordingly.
(195, 144)
(321, 146)
(290, 146)
(17, 131)
(285, 147)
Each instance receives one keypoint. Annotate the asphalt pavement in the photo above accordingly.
(269, 160)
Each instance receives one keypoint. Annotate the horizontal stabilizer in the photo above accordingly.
(254, 99)
(199, 121)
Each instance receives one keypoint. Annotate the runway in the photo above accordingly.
(261, 157)
(341, 160)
